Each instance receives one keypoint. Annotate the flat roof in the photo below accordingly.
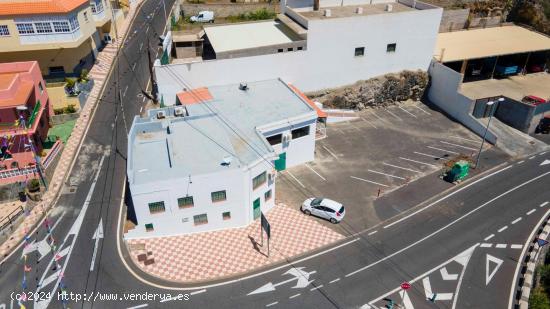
(488, 42)
(198, 143)
(351, 10)
(513, 87)
(249, 35)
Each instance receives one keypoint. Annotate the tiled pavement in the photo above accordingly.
(215, 255)
(99, 73)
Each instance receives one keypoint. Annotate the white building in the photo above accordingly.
(338, 44)
(210, 163)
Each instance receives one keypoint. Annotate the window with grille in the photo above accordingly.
(4, 31)
(226, 215)
(43, 27)
(74, 23)
(61, 26)
(25, 28)
(185, 202)
(156, 207)
(219, 196)
(259, 180)
(200, 219)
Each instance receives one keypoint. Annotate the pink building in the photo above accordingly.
(25, 112)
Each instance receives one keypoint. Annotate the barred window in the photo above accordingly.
(4, 31)
(74, 23)
(219, 196)
(61, 26)
(156, 207)
(25, 28)
(43, 27)
(185, 202)
(259, 180)
(200, 219)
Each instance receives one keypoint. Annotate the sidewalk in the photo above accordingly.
(221, 254)
(99, 73)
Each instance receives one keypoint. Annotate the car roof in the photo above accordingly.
(331, 204)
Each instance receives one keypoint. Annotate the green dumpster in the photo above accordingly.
(458, 172)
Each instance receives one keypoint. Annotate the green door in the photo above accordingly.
(280, 164)
(256, 208)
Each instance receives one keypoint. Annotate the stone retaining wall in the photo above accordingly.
(225, 9)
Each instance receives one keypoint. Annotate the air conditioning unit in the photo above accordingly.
(161, 114)
(179, 111)
(243, 86)
(287, 137)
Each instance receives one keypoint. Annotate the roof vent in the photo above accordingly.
(227, 160)
(179, 111)
(327, 13)
(389, 8)
(359, 10)
(243, 86)
(161, 115)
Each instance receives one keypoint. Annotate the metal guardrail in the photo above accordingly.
(7, 221)
(18, 172)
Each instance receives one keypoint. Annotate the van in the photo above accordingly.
(203, 17)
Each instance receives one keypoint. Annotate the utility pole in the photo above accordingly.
(491, 105)
(154, 86)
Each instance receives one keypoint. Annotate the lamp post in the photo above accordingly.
(490, 105)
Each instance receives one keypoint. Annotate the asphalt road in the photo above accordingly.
(453, 233)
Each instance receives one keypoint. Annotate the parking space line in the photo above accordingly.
(365, 180)
(441, 149)
(418, 162)
(316, 172)
(406, 111)
(531, 158)
(403, 168)
(502, 229)
(531, 211)
(394, 115)
(198, 292)
(316, 288)
(382, 119)
(542, 153)
(429, 155)
(489, 237)
(389, 175)
(501, 246)
(372, 233)
(520, 162)
(516, 246)
(484, 245)
(466, 139)
(372, 125)
(335, 280)
(330, 152)
(272, 304)
(295, 295)
(543, 204)
(465, 147)
(301, 184)
(420, 108)
(516, 221)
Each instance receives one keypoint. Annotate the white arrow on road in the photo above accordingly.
(545, 162)
(301, 277)
(446, 276)
(489, 276)
(97, 236)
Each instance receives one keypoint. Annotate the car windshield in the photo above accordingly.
(341, 210)
(316, 202)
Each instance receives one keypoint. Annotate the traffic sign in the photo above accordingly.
(405, 285)
(542, 242)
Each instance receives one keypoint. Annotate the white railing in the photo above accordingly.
(99, 16)
(50, 37)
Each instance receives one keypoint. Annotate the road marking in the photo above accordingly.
(542, 153)
(147, 30)
(140, 46)
(403, 168)
(125, 89)
(134, 66)
(138, 306)
(382, 119)
(543, 204)
(501, 246)
(299, 182)
(372, 125)
(420, 108)
(394, 115)
(197, 292)
(531, 158)
(372, 233)
(365, 180)
(316, 288)
(418, 162)
(520, 162)
(516, 221)
(489, 276)
(466, 139)
(406, 111)
(444, 150)
(389, 175)
(330, 152)
(456, 145)
(294, 296)
(447, 196)
(446, 276)
(429, 294)
(430, 156)
(502, 228)
(489, 237)
(531, 211)
(307, 165)
(335, 280)
(516, 246)
(485, 245)
(406, 300)
(272, 304)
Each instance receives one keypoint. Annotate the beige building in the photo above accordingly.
(62, 35)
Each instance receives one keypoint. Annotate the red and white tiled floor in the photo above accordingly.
(215, 255)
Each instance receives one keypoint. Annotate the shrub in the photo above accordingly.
(69, 109)
(538, 299)
(58, 111)
(70, 83)
(83, 75)
(33, 185)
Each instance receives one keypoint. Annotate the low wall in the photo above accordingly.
(516, 114)
(482, 22)
(444, 93)
(453, 20)
(58, 119)
(224, 9)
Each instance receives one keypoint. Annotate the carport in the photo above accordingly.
(493, 52)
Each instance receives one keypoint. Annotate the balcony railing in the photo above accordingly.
(99, 16)
(50, 37)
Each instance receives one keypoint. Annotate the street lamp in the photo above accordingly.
(490, 105)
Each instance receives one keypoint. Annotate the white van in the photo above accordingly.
(203, 17)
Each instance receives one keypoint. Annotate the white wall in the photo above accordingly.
(298, 151)
(444, 92)
(329, 60)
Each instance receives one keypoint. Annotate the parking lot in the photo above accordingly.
(378, 152)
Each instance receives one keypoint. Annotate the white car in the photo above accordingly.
(203, 17)
(324, 208)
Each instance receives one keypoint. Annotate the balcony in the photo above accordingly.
(50, 37)
(99, 16)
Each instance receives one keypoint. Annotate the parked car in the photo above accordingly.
(203, 17)
(533, 100)
(544, 125)
(324, 208)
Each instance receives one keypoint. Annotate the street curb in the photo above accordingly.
(529, 262)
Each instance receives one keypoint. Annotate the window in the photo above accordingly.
(156, 207)
(219, 196)
(25, 28)
(300, 48)
(56, 70)
(275, 139)
(359, 51)
(149, 227)
(200, 219)
(74, 23)
(391, 48)
(297, 133)
(4, 31)
(97, 7)
(290, 49)
(259, 180)
(185, 202)
(40, 87)
(267, 195)
(280, 50)
(85, 16)
(226, 215)
(43, 27)
(61, 26)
